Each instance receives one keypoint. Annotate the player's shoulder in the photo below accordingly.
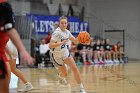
(57, 31)
(68, 31)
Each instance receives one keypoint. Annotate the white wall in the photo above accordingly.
(120, 14)
(39, 8)
(20, 7)
(73, 2)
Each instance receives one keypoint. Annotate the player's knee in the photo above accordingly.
(74, 69)
(13, 70)
(64, 74)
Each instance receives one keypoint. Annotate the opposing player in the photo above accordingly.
(61, 55)
(7, 31)
(12, 55)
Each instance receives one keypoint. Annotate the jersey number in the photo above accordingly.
(63, 46)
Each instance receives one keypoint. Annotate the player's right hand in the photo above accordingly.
(64, 41)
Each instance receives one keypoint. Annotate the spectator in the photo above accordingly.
(43, 48)
(102, 51)
(48, 37)
(44, 52)
(88, 53)
(96, 49)
(78, 53)
(117, 53)
(108, 51)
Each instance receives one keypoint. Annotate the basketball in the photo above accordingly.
(84, 37)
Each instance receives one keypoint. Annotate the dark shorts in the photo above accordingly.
(6, 16)
(2, 69)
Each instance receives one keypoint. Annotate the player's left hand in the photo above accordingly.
(25, 57)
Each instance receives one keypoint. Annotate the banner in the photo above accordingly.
(44, 24)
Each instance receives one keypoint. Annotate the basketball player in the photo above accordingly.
(7, 31)
(108, 51)
(12, 55)
(60, 53)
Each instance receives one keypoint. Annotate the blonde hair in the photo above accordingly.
(63, 17)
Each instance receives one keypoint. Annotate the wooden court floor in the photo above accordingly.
(109, 78)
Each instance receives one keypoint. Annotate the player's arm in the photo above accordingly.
(53, 44)
(16, 39)
(8, 27)
(14, 36)
(74, 40)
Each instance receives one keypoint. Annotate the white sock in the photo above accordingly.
(26, 83)
(81, 85)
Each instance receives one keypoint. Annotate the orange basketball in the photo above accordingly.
(84, 37)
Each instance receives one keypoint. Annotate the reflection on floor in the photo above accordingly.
(108, 78)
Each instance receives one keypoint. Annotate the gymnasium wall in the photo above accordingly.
(101, 14)
(118, 14)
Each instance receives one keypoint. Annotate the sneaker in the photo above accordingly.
(121, 61)
(86, 63)
(101, 62)
(63, 81)
(82, 90)
(28, 86)
(78, 63)
(106, 61)
(116, 61)
(91, 62)
(96, 61)
(110, 61)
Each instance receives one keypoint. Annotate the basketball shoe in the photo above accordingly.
(82, 90)
(28, 86)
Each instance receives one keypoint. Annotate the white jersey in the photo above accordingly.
(58, 36)
(43, 48)
(58, 54)
(13, 49)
